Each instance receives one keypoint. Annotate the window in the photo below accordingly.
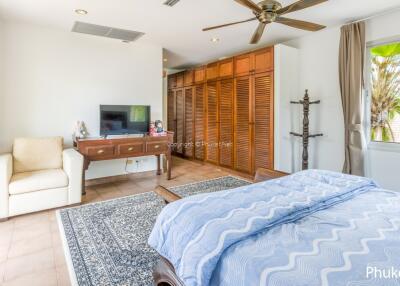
(384, 61)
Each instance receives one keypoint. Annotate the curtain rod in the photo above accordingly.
(383, 13)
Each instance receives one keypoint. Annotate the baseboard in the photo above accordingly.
(118, 178)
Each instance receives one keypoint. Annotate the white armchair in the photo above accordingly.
(39, 175)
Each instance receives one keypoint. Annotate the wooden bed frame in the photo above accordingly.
(164, 272)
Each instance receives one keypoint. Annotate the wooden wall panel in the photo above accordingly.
(199, 75)
(263, 60)
(212, 123)
(171, 111)
(199, 121)
(189, 132)
(243, 64)
(180, 117)
(179, 79)
(226, 123)
(263, 121)
(242, 140)
(225, 68)
(188, 78)
(212, 72)
(172, 81)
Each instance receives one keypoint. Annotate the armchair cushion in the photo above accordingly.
(37, 180)
(34, 154)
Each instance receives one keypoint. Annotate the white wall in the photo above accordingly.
(286, 84)
(54, 78)
(2, 96)
(319, 54)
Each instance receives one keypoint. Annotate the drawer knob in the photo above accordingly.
(100, 151)
(130, 149)
(156, 146)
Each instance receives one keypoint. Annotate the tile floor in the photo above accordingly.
(30, 246)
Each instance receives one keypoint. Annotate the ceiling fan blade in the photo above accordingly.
(250, 4)
(299, 24)
(302, 4)
(230, 24)
(258, 33)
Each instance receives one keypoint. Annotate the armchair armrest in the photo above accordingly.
(6, 171)
(73, 166)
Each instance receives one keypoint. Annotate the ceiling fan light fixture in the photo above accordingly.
(271, 11)
(81, 12)
(270, 5)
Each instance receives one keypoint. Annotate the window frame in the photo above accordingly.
(375, 145)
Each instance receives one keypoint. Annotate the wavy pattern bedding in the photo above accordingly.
(311, 228)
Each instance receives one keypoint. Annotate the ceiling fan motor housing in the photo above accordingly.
(270, 8)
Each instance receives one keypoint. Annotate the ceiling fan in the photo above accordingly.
(269, 11)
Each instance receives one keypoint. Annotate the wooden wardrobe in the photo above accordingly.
(223, 113)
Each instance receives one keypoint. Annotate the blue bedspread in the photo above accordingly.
(251, 235)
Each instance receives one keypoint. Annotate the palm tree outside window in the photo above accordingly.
(385, 92)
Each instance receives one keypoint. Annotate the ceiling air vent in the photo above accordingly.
(108, 32)
(171, 2)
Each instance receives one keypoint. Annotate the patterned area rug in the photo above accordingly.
(106, 242)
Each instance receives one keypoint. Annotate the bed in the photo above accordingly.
(310, 228)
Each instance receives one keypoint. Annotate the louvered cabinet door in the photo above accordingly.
(188, 146)
(226, 123)
(263, 121)
(199, 121)
(212, 122)
(180, 117)
(171, 110)
(242, 125)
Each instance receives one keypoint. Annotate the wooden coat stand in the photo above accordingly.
(306, 127)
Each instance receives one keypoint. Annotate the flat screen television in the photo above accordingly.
(124, 119)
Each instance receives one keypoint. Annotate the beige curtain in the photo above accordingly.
(351, 73)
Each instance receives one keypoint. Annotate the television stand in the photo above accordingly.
(99, 149)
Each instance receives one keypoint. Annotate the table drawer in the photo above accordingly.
(157, 147)
(100, 151)
(131, 149)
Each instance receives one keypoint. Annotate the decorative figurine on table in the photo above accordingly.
(159, 126)
(80, 130)
(152, 129)
(158, 129)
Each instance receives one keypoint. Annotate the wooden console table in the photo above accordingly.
(110, 149)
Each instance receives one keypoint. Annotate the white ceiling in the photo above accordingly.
(178, 28)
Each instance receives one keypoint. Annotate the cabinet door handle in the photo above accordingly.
(156, 146)
(100, 151)
(130, 149)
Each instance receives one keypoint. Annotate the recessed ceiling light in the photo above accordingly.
(165, 60)
(214, 40)
(81, 12)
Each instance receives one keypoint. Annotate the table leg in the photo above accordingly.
(86, 164)
(83, 183)
(169, 164)
(158, 165)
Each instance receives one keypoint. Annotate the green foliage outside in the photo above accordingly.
(385, 77)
